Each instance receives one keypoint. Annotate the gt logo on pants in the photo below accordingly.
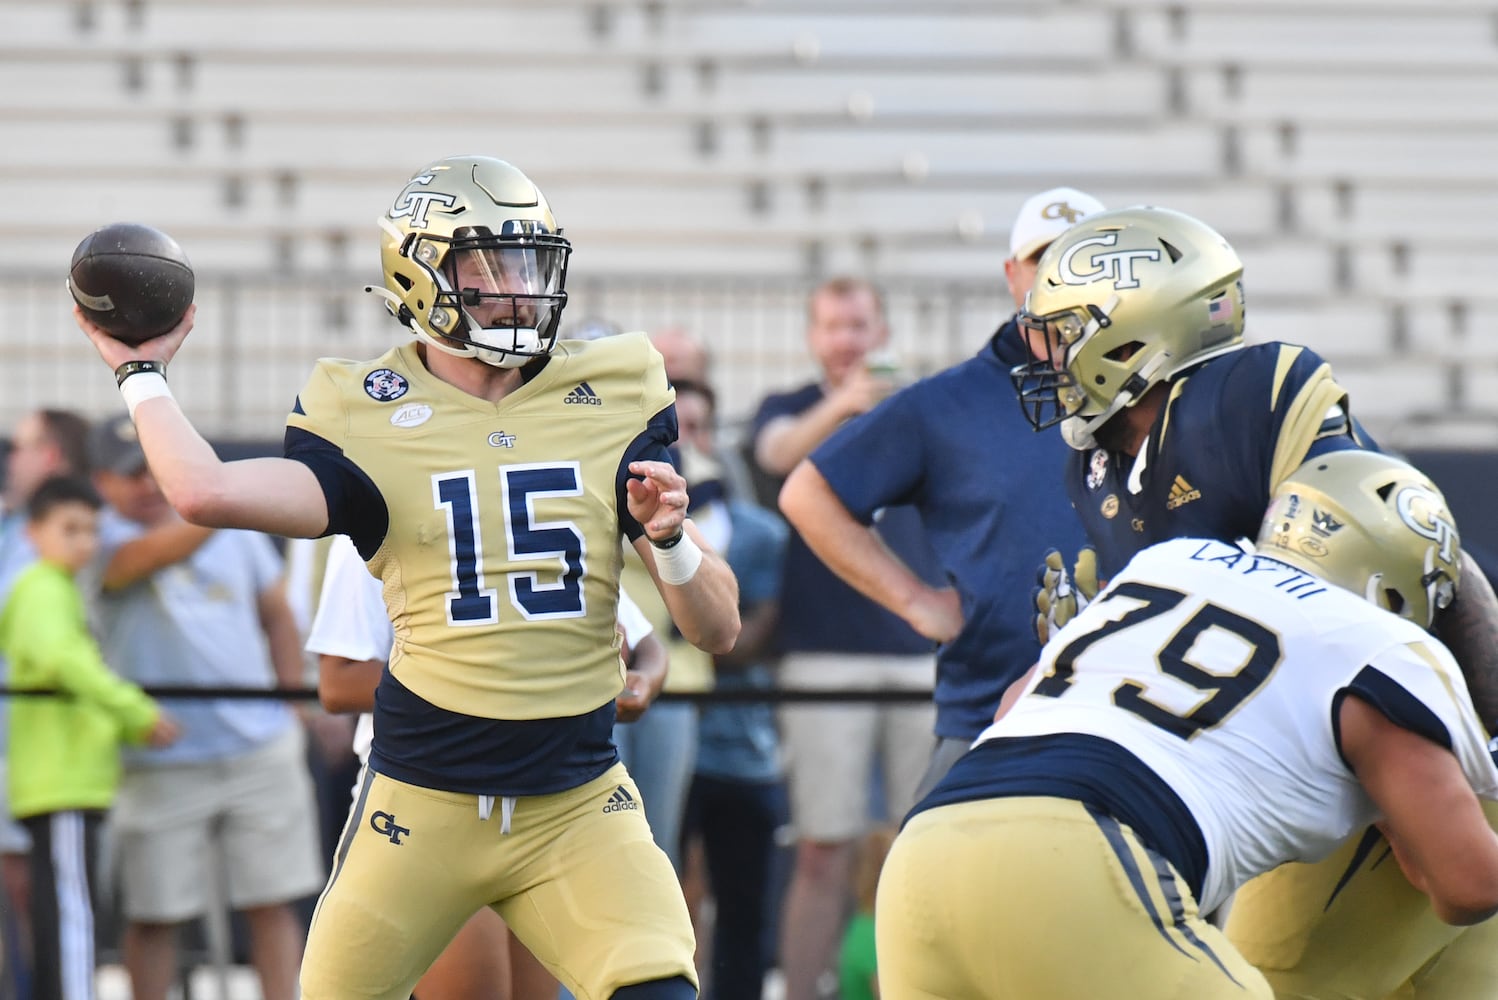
(384, 824)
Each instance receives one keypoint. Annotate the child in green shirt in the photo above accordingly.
(64, 749)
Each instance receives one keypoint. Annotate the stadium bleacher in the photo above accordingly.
(710, 159)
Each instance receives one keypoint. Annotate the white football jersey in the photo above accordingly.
(1222, 671)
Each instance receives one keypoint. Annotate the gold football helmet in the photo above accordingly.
(474, 261)
(1125, 300)
(1372, 524)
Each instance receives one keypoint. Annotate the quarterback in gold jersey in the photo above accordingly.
(486, 473)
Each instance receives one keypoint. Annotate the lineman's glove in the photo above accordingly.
(1060, 596)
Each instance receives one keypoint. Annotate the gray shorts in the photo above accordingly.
(831, 749)
(248, 820)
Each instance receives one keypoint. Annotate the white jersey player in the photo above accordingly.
(1214, 714)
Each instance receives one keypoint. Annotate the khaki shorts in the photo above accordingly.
(831, 749)
(1039, 898)
(1352, 925)
(250, 820)
(576, 877)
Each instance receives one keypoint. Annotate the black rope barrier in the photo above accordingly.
(171, 692)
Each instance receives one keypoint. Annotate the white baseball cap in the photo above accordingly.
(1046, 216)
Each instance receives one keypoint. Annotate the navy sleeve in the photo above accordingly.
(1394, 703)
(653, 444)
(875, 460)
(784, 404)
(355, 506)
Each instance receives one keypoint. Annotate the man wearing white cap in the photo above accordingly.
(1041, 219)
(988, 490)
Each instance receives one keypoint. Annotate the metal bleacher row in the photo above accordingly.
(709, 158)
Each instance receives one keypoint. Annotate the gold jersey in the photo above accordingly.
(499, 551)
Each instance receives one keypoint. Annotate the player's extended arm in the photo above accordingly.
(705, 605)
(1429, 809)
(856, 553)
(266, 494)
(1469, 628)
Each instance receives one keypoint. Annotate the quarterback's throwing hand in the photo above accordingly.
(1060, 596)
(117, 352)
(658, 500)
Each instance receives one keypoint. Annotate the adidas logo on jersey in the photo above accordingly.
(1181, 493)
(583, 395)
(620, 801)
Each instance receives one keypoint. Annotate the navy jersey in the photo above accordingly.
(819, 613)
(1231, 431)
(988, 491)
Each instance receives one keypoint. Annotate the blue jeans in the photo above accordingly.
(660, 751)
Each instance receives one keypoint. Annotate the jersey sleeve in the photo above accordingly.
(653, 444)
(846, 459)
(315, 431)
(1311, 410)
(351, 619)
(1419, 687)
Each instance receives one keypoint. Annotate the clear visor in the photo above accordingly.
(506, 287)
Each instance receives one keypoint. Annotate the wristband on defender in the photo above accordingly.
(677, 559)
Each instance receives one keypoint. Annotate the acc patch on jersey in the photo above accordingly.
(385, 385)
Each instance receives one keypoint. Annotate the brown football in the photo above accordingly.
(132, 280)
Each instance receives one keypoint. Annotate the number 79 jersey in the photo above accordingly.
(1222, 672)
(494, 526)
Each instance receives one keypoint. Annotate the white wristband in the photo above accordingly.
(143, 386)
(679, 563)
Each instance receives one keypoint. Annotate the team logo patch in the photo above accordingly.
(384, 385)
(411, 415)
(1138, 525)
(1110, 506)
(499, 439)
(620, 801)
(1097, 469)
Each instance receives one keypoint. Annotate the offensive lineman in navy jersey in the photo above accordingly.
(485, 472)
(1136, 320)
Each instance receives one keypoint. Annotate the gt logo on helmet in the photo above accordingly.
(416, 203)
(1421, 511)
(1116, 266)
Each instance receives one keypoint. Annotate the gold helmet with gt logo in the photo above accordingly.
(1125, 300)
(475, 264)
(1372, 524)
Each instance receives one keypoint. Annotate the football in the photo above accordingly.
(133, 281)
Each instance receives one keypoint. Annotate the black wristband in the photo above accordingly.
(129, 368)
(671, 542)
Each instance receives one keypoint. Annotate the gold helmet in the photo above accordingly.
(1372, 524)
(474, 261)
(1126, 300)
